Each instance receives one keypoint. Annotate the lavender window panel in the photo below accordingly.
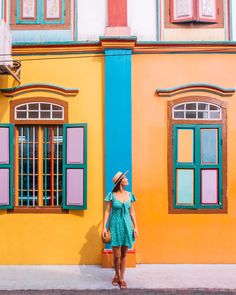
(4, 187)
(75, 145)
(4, 146)
(209, 187)
(75, 186)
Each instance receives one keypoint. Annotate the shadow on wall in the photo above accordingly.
(88, 253)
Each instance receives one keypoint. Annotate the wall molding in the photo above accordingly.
(196, 87)
(39, 87)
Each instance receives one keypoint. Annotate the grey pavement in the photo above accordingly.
(144, 279)
(116, 292)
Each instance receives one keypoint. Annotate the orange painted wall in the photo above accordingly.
(178, 238)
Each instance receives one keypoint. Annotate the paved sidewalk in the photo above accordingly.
(145, 276)
(119, 292)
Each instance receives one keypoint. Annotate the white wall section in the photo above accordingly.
(233, 19)
(1, 9)
(142, 19)
(91, 19)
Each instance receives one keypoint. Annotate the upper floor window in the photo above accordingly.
(194, 11)
(196, 110)
(39, 111)
(41, 14)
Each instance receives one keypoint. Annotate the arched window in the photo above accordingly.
(39, 111)
(197, 155)
(196, 111)
(49, 154)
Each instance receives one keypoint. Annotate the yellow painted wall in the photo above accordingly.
(72, 238)
(178, 238)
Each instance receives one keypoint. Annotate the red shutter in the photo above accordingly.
(207, 11)
(182, 11)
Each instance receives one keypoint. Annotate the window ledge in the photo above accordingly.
(38, 209)
(198, 211)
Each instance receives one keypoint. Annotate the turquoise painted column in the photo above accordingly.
(118, 120)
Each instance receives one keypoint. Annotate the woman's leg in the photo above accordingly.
(117, 255)
(124, 250)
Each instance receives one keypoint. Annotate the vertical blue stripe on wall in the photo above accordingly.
(118, 123)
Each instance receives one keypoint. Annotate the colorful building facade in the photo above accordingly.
(126, 86)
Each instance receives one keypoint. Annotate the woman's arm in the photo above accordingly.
(106, 217)
(133, 217)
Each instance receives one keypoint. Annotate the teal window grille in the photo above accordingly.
(32, 139)
(51, 170)
(197, 166)
(40, 12)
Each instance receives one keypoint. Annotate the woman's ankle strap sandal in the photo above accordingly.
(122, 284)
(115, 281)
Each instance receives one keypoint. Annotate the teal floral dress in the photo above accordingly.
(121, 226)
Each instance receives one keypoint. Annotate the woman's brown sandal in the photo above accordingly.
(122, 284)
(115, 281)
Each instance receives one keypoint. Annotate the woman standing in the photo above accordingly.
(123, 226)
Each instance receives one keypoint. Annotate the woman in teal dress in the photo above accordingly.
(122, 222)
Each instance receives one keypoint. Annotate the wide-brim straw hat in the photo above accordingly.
(117, 178)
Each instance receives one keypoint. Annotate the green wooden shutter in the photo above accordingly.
(47, 17)
(6, 166)
(75, 166)
(30, 15)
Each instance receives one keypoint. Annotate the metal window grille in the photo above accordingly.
(40, 173)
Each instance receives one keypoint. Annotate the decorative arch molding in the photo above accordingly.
(196, 87)
(40, 87)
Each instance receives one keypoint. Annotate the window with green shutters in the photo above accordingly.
(197, 166)
(41, 14)
(197, 155)
(40, 11)
(43, 161)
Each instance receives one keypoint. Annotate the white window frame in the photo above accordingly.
(40, 111)
(208, 111)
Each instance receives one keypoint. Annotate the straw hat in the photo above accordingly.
(118, 176)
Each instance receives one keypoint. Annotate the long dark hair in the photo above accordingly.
(117, 186)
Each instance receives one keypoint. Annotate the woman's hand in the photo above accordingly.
(104, 232)
(135, 232)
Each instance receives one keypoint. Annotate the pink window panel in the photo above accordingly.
(182, 10)
(75, 145)
(75, 186)
(28, 9)
(4, 147)
(209, 186)
(53, 9)
(207, 11)
(4, 187)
